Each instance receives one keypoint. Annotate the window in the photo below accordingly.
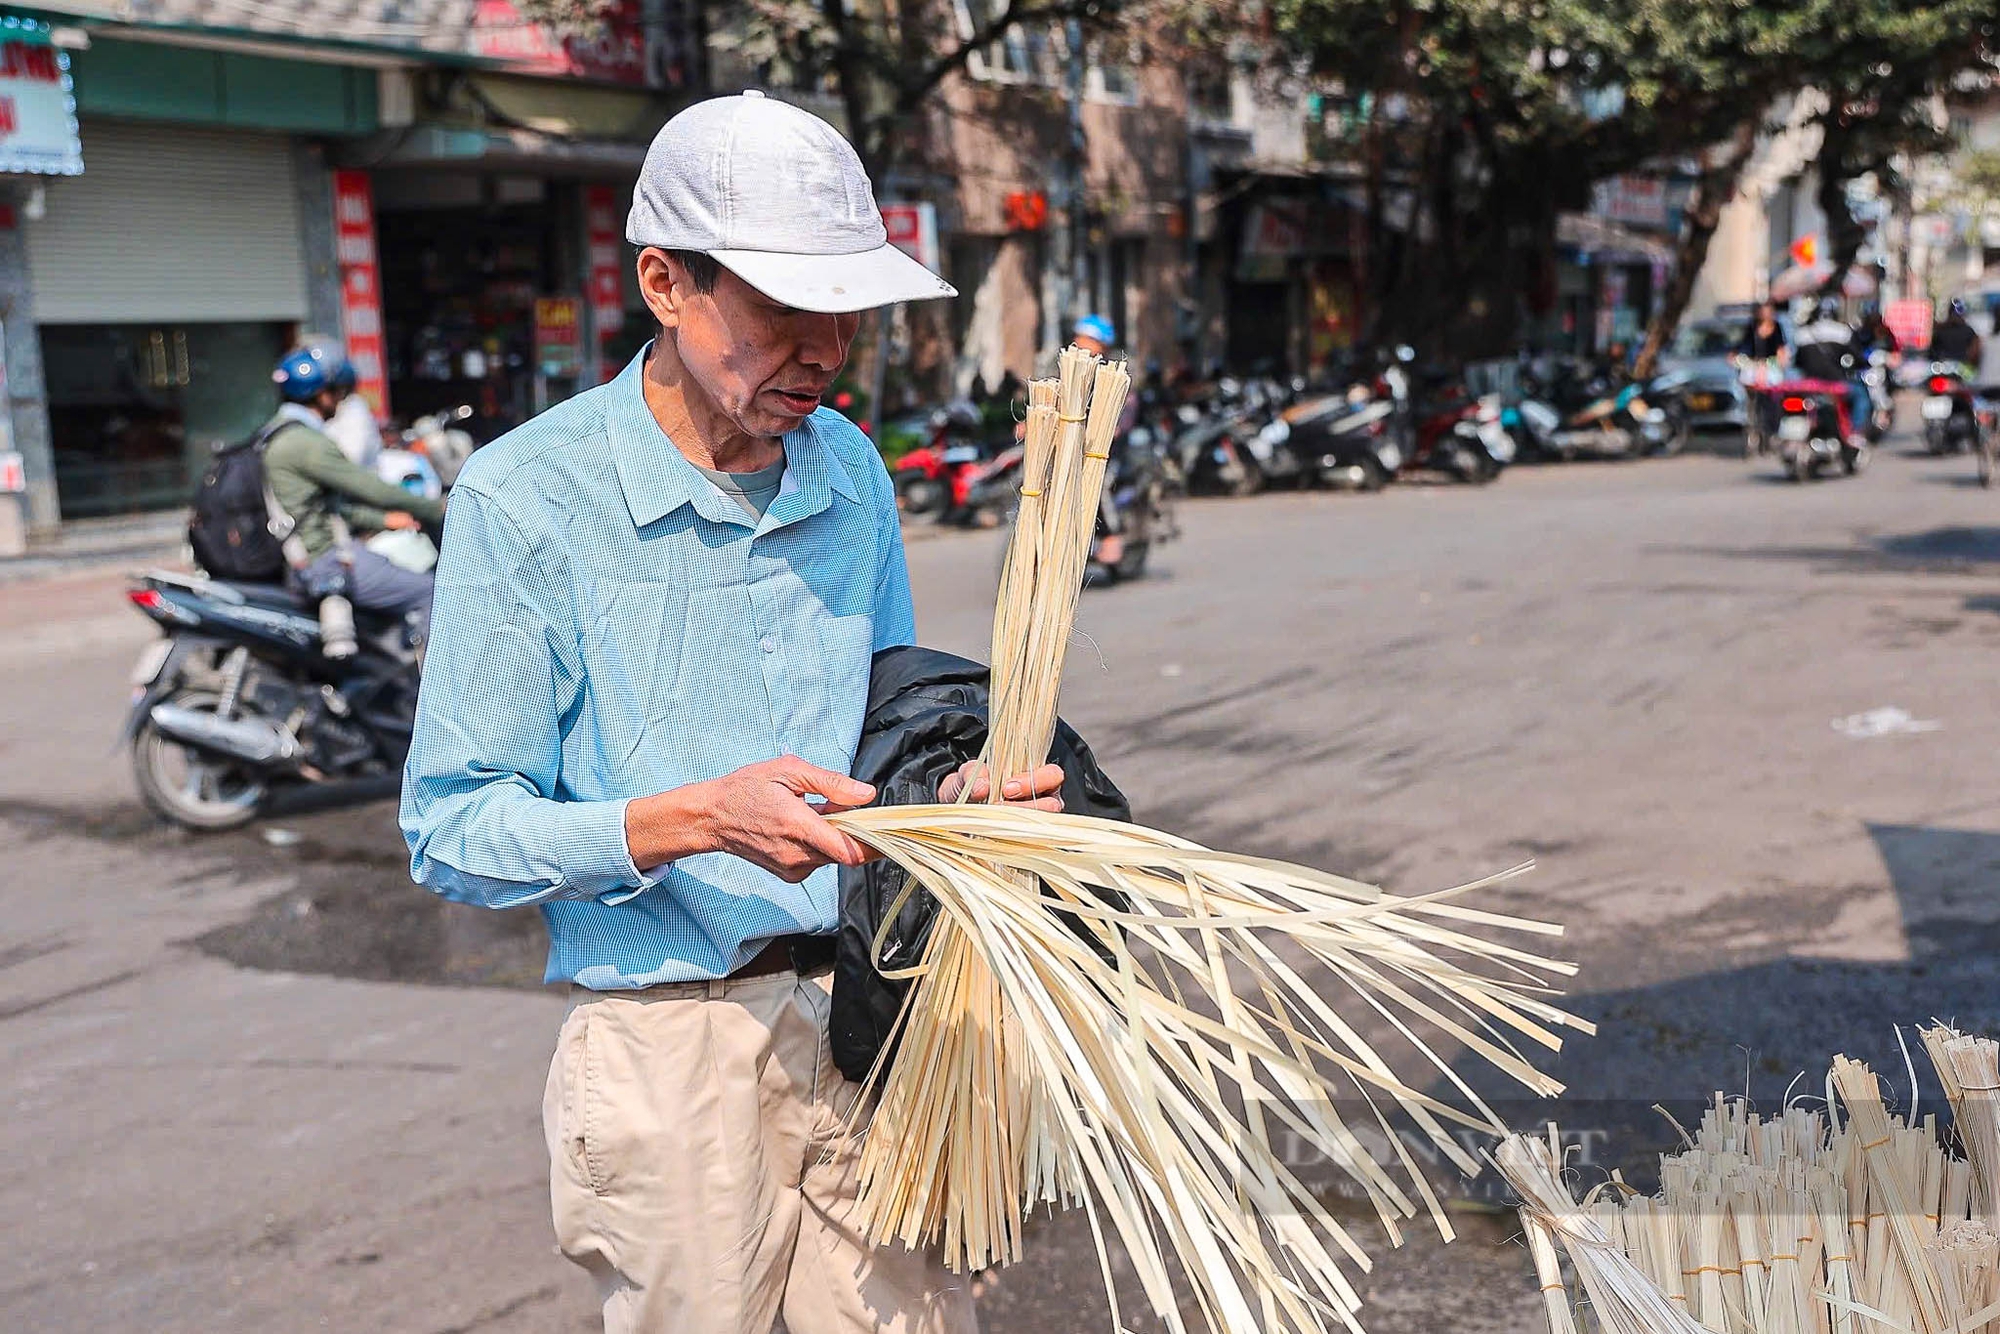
(1209, 97)
(1114, 72)
(1025, 53)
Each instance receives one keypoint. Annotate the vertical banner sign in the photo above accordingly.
(558, 337)
(912, 229)
(360, 286)
(607, 296)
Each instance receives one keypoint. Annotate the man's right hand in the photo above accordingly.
(759, 813)
(400, 519)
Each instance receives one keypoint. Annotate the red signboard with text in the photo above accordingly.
(606, 293)
(360, 286)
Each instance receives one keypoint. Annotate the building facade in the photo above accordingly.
(445, 193)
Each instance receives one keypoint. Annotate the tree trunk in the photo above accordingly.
(1844, 232)
(1715, 187)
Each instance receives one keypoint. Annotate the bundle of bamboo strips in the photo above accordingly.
(1794, 1224)
(1165, 1051)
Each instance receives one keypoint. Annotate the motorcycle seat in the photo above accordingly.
(277, 597)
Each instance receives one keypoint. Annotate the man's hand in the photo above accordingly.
(400, 519)
(758, 813)
(1035, 789)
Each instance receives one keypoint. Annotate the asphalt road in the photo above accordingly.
(258, 1082)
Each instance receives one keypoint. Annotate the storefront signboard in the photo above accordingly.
(1910, 321)
(37, 103)
(558, 337)
(913, 230)
(360, 286)
(1639, 201)
(642, 43)
(607, 297)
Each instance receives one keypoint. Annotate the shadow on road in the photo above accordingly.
(1951, 550)
(1768, 1028)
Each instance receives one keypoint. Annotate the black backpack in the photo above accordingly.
(230, 529)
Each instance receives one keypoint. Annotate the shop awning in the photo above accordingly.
(1603, 241)
(494, 150)
(1802, 279)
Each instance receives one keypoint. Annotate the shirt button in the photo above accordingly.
(768, 644)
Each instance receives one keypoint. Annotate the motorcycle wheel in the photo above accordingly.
(1373, 475)
(1935, 438)
(1245, 480)
(1682, 436)
(1133, 563)
(188, 788)
(920, 495)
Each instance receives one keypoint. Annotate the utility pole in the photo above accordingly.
(1063, 279)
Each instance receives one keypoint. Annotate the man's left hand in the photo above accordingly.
(1036, 789)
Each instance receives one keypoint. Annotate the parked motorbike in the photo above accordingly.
(237, 701)
(1599, 418)
(1951, 415)
(439, 438)
(1210, 445)
(1339, 440)
(1813, 432)
(1464, 438)
(932, 478)
(990, 490)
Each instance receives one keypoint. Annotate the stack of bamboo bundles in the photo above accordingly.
(1797, 1223)
(1167, 1051)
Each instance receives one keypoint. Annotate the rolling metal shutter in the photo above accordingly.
(170, 224)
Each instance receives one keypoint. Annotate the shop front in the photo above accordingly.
(167, 279)
(1292, 300)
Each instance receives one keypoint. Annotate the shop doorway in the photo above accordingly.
(459, 283)
(136, 411)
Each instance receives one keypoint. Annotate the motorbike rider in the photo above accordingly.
(325, 494)
(1953, 339)
(1873, 334)
(1827, 352)
(1097, 335)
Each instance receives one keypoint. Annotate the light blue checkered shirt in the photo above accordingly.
(609, 625)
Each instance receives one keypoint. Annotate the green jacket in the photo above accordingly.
(312, 481)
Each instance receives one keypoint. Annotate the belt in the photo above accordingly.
(789, 954)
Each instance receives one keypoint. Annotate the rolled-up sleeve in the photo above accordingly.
(482, 810)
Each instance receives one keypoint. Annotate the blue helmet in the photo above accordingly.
(310, 368)
(1095, 327)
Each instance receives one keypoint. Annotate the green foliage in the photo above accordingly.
(1502, 112)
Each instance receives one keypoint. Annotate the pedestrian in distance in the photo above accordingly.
(657, 605)
(324, 495)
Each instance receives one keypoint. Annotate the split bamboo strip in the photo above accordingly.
(1872, 1227)
(1170, 1168)
(1622, 1298)
(1159, 1061)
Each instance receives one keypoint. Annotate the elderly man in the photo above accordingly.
(649, 666)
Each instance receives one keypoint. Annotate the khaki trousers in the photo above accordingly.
(699, 1170)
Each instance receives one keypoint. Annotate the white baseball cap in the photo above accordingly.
(776, 196)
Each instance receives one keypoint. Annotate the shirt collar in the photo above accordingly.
(657, 478)
(303, 415)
